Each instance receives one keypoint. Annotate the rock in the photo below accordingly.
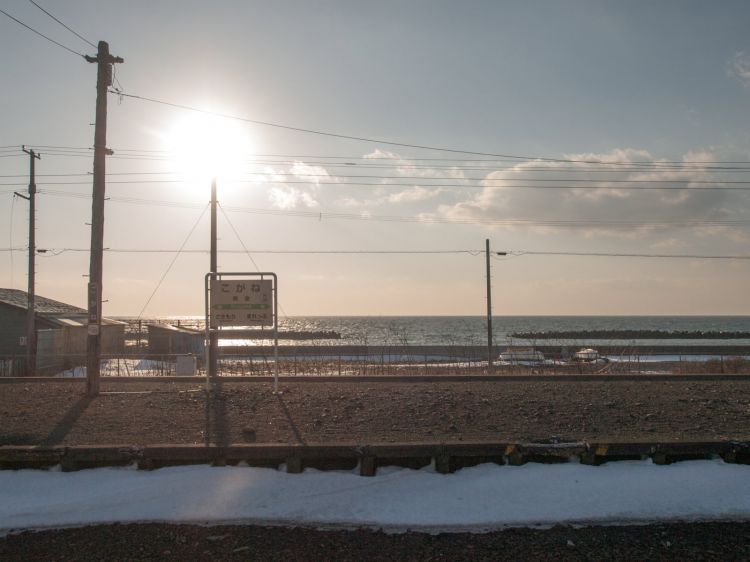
(249, 435)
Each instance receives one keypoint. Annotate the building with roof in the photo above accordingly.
(61, 331)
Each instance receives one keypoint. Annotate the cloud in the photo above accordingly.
(287, 197)
(588, 194)
(382, 154)
(305, 194)
(313, 174)
(739, 67)
(414, 194)
(599, 201)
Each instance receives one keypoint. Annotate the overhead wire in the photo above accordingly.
(41, 34)
(507, 159)
(247, 252)
(58, 251)
(177, 255)
(630, 255)
(382, 141)
(701, 186)
(474, 252)
(405, 162)
(81, 37)
(239, 238)
(320, 215)
(301, 174)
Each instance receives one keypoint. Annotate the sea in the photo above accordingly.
(472, 330)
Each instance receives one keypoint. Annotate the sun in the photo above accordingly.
(204, 146)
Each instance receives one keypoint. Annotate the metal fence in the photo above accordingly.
(378, 361)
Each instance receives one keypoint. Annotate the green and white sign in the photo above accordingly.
(241, 302)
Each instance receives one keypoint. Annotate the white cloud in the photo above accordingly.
(414, 194)
(313, 174)
(287, 197)
(739, 67)
(382, 154)
(609, 209)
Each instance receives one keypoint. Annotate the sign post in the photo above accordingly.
(237, 299)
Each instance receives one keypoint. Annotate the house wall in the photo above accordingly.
(50, 351)
(64, 348)
(12, 328)
(56, 347)
(167, 340)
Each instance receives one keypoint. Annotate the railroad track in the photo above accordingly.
(567, 377)
(446, 457)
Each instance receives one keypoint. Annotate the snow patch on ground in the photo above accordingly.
(479, 498)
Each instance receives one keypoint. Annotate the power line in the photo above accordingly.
(320, 215)
(376, 167)
(65, 26)
(42, 34)
(169, 267)
(239, 238)
(263, 175)
(301, 174)
(383, 141)
(627, 255)
(247, 252)
(591, 223)
(718, 186)
(404, 159)
(404, 162)
(476, 252)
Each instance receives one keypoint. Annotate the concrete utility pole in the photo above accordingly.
(213, 342)
(30, 316)
(489, 305)
(94, 344)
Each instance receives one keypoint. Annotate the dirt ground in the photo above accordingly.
(677, 541)
(143, 413)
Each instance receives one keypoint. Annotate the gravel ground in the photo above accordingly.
(143, 413)
(678, 541)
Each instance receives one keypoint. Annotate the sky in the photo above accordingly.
(600, 100)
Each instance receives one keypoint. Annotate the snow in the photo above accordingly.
(479, 498)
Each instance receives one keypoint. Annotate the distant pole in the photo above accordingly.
(489, 306)
(94, 343)
(213, 343)
(30, 316)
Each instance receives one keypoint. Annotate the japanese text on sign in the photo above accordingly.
(242, 302)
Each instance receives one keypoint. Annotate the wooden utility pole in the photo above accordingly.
(94, 344)
(489, 305)
(30, 306)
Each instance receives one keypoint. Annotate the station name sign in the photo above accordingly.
(241, 302)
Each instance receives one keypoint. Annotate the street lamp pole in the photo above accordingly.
(213, 343)
(489, 306)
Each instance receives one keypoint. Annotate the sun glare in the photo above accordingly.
(204, 147)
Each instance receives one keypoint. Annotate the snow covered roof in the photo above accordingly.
(54, 311)
(42, 305)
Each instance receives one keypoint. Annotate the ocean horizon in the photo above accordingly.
(472, 330)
